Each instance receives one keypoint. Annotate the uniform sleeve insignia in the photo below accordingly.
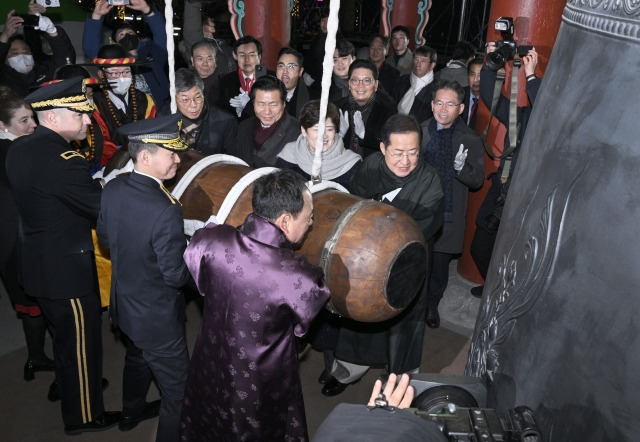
(70, 154)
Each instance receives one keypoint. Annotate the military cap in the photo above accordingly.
(163, 131)
(69, 94)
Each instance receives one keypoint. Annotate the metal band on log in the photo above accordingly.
(373, 254)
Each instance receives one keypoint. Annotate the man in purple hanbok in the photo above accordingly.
(259, 296)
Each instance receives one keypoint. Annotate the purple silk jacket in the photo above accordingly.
(259, 295)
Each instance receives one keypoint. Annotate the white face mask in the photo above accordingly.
(120, 86)
(22, 63)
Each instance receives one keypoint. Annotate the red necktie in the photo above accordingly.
(248, 82)
(474, 106)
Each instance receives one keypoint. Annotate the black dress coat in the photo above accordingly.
(142, 226)
(383, 108)
(267, 155)
(421, 108)
(230, 87)
(471, 177)
(47, 177)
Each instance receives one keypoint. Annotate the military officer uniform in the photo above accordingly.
(57, 201)
(141, 224)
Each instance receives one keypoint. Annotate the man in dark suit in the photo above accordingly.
(261, 138)
(472, 92)
(414, 91)
(289, 70)
(367, 109)
(142, 225)
(236, 86)
(57, 201)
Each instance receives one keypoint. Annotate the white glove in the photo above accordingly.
(461, 156)
(358, 124)
(344, 123)
(45, 24)
(308, 79)
(239, 101)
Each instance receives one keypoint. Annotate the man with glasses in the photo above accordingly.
(387, 74)
(414, 91)
(456, 152)
(365, 109)
(398, 176)
(263, 136)
(205, 127)
(236, 86)
(118, 102)
(289, 70)
(401, 58)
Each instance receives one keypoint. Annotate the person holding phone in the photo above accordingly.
(21, 68)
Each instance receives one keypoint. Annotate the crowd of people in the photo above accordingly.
(397, 131)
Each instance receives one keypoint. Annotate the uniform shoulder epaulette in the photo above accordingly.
(172, 198)
(70, 154)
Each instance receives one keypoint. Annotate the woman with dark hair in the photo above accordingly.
(338, 163)
(16, 119)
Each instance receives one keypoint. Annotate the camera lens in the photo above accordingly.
(497, 58)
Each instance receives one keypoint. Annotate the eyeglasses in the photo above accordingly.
(448, 104)
(357, 81)
(244, 55)
(408, 155)
(289, 66)
(125, 73)
(195, 100)
(201, 59)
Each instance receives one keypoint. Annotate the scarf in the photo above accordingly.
(336, 161)
(264, 133)
(365, 110)
(191, 128)
(438, 154)
(342, 84)
(420, 194)
(417, 84)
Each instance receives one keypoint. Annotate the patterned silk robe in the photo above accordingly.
(259, 295)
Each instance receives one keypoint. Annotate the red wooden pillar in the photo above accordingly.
(414, 14)
(536, 23)
(267, 20)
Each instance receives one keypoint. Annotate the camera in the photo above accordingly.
(118, 2)
(461, 424)
(29, 20)
(507, 48)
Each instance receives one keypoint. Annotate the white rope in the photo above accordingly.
(168, 17)
(319, 187)
(327, 71)
(198, 167)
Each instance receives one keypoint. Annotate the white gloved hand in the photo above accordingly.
(46, 25)
(461, 156)
(344, 122)
(308, 79)
(358, 124)
(239, 101)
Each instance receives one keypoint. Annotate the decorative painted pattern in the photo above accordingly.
(423, 7)
(236, 8)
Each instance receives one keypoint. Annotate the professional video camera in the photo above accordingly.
(507, 48)
(484, 424)
(452, 403)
